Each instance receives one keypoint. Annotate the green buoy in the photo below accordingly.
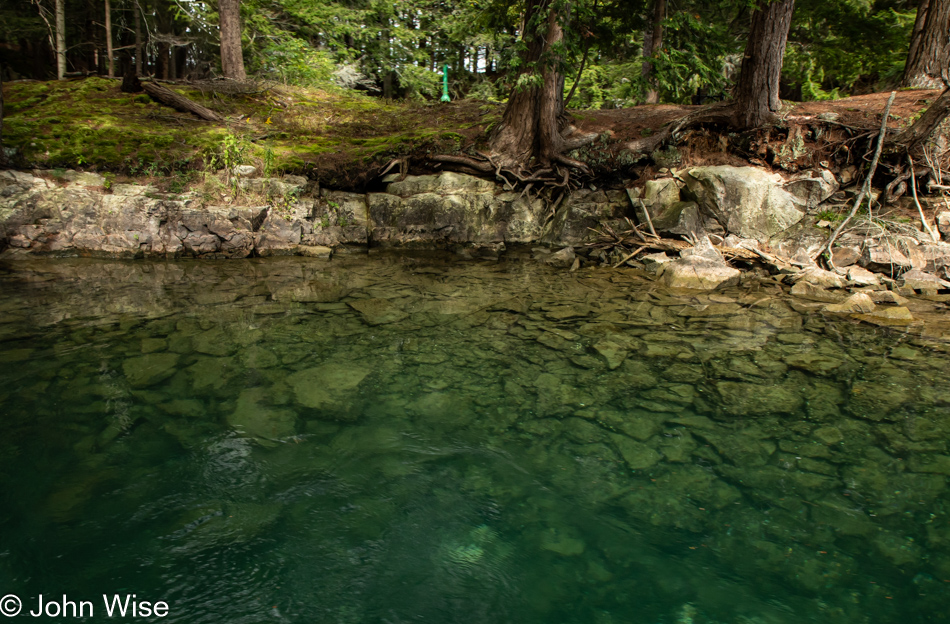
(445, 83)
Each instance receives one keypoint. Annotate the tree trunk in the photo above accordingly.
(3, 154)
(60, 40)
(756, 96)
(652, 45)
(232, 58)
(111, 66)
(529, 132)
(927, 57)
(914, 136)
(138, 39)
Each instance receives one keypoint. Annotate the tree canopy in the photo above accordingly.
(398, 49)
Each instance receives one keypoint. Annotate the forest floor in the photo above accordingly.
(345, 139)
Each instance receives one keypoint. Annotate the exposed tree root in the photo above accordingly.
(720, 112)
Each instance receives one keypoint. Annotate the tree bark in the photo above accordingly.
(170, 98)
(3, 154)
(60, 40)
(927, 57)
(914, 136)
(530, 133)
(138, 38)
(756, 96)
(111, 61)
(232, 58)
(651, 46)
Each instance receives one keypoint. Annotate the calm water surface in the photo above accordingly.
(412, 439)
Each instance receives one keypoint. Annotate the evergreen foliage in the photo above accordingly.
(398, 49)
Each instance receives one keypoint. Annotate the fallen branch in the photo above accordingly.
(179, 102)
(630, 255)
(913, 185)
(865, 188)
(646, 211)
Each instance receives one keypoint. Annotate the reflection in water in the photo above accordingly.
(395, 439)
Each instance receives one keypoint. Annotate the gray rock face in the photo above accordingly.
(748, 202)
(943, 223)
(38, 216)
(813, 187)
(244, 171)
(884, 258)
(702, 269)
(918, 280)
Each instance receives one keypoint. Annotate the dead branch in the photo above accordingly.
(913, 185)
(865, 188)
(179, 102)
(646, 211)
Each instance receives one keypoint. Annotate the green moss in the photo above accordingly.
(91, 123)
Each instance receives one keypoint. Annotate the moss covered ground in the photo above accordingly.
(340, 138)
(345, 139)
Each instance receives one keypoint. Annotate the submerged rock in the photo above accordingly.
(746, 399)
(253, 417)
(859, 303)
(328, 387)
(148, 370)
(378, 311)
(563, 258)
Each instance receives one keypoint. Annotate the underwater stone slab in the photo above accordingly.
(890, 316)
(326, 386)
(638, 456)
(855, 304)
(739, 449)
(147, 370)
(378, 311)
(561, 542)
(253, 417)
(612, 352)
(745, 399)
(828, 435)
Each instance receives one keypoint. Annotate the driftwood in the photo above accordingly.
(610, 239)
(179, 102)
(865, 188)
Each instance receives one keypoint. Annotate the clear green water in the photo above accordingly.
(409, 439)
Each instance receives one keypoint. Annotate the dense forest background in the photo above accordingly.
(619, 53)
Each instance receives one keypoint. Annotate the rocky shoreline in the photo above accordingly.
(754, 219)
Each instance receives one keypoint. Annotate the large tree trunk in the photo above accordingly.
(915, 135)
(111, 66)
(651, 45)
(3, 154)
(927, 57)
(60, 40)
(138, 39)
(232, 58)
(530, 129)
(756, 96)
